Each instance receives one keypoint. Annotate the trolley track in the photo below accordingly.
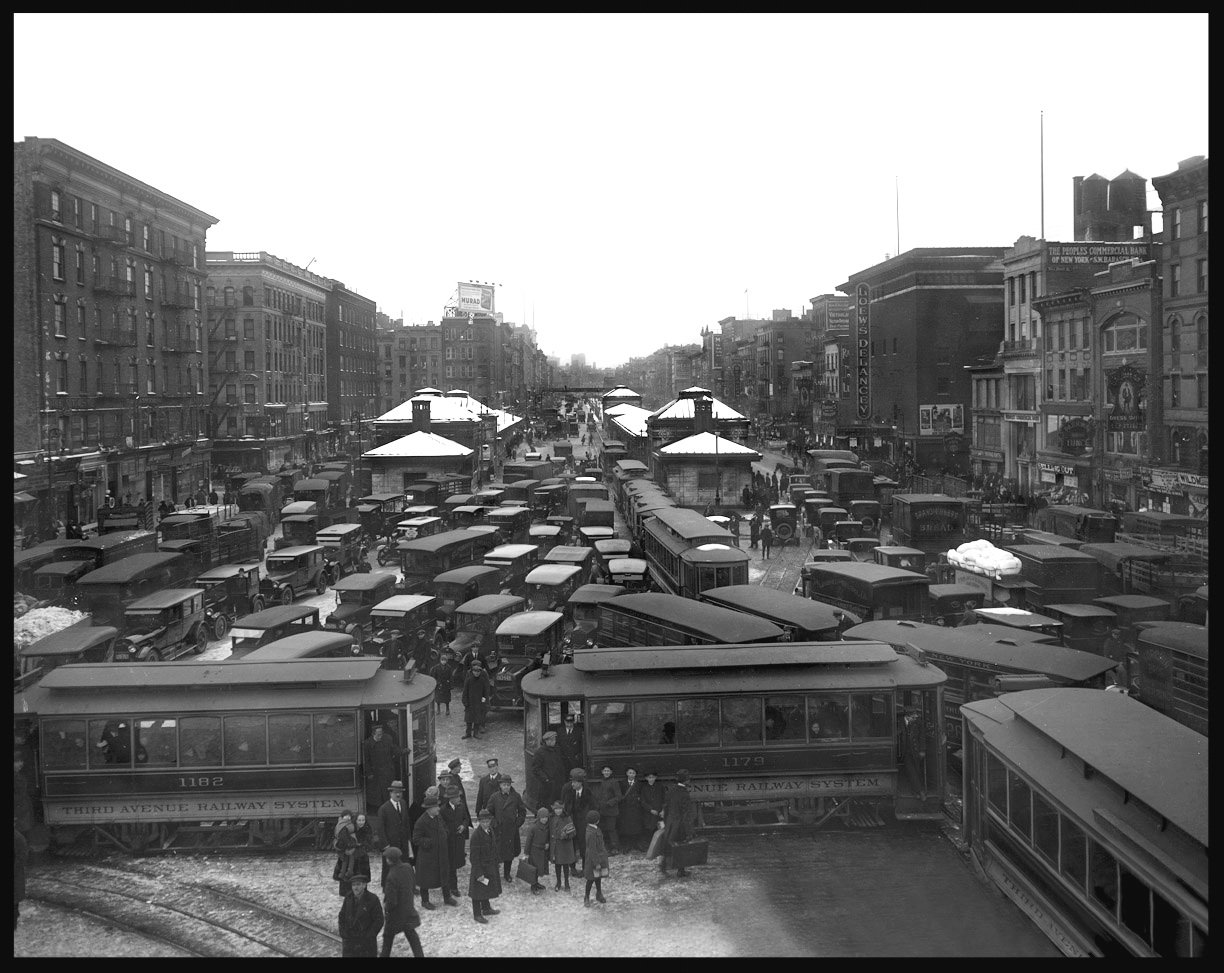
(201, 918)
(59, 905)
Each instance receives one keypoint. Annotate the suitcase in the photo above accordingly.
(657, 845)
(690, 853)
(527, 872)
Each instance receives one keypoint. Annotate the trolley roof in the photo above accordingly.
(778, 606)
(714, 554)
(688, 524)
(111, 687)
(648, 658)
(1119, 738)
(1182, 636)
(723, 623)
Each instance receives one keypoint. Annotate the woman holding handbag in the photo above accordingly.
(561, 844)
(535, 852)
(595, 862)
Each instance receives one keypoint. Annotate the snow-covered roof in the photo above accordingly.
(693, 390)
(453, 406)
(630, 418)
(620, 391)
(19, 476)
(418, 444)
(703, 444)
(683, 408)
(429, 391)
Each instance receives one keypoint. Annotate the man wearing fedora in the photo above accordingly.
(398, 906)
(361, 917)
(393, 823)
(484, 883)
(508, 816)
(476, 691)
(434, 869)
(548, 772)
(457, 824)
(570, 742)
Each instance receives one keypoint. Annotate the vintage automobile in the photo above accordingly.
(583, 608)
(1084, 626)
(860, 548)
(588, 536)
(610, 548)
(798, 483)
(550, 585)
(516, 561)
(453, 588)
(356, 597)
(584, 557)
(293, 571)
(630, 573)
(407, 530)
(949, 602)
(513, 521)
(344, 549)
(163, 626)
(77, 643)
(784, 520)
(476, 624)
(544, 536)
(524, 642)
(403, 628)
(909, 558)
(55, 583)
(230, 591)
(260, 628)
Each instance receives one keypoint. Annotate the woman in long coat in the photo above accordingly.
(509, 813)
(483, 852)
(433, 865)
(561, 845)
(632, 820)
(539, 838)
(595, 861)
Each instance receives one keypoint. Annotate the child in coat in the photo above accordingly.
(535, 850)
(561, 844)
(595, 861)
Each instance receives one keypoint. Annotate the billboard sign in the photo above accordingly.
(476, 299)
(862, 332)
(1064, 256)
(940, 420)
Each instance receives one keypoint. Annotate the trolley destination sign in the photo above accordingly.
(769, 788)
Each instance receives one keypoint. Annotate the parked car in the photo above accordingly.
(293, 571)
(260, 628)
(516, 561)
(476, 624)
(356, 596)
(164, 626)
(77, 643)
(524, 641)
(550, 585)
(453, 588)
(230, 591)
(784, 519)
(404, 627)
(344, 549)
(583, 608)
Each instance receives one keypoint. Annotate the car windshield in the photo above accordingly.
(353, 597)
(467, 622)
(586, 613)
(280, 563)
(143, 622)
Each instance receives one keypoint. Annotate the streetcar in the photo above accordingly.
(1090, 811)
(650, 618)
(799, 732)
(1170, 673)
(671, 532)
(803, 619)
(211, 755)
(868, 590)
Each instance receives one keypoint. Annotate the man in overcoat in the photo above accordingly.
(548, 772)
(679, 818)
(484, 883)
(508, 816)
(398, 907)
(570, 742)
(433, 867)
(457, 824)
(577, 799)
(486, 787)
(632, 821)
(608, 796)
(361, 917)
(475, 693)
(380, 757)
(393, 823)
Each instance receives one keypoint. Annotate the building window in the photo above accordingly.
(80, 264)
(60, 316)
(1023, 295)
(81, 318)
(1176, 223)
(248, 327)
(1174, 280)
(1175, 390)
(57, 257)
(248, 392)
(1084, 340)
(144, 238)
(148, 281)
(84, 377)
(1201, 266)
(55, 204)
(1202, 216)
(1201, 383)
(61, 376)
(248, 360)
(1175, 337)
(1126, 333)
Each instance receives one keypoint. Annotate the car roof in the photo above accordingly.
(529, 623)
(128, 567)
(166, 598)
(68, 641)
(364, 581)
(511, 551)
(488, 604)
(552, 573)
(402, 603)
(464, 575)
(295, 551)
(276, 615)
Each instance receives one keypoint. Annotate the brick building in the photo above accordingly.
(109, 347)
(352, 355)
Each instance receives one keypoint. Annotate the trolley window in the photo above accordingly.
(609, 726)
(112, 743)
(157, 740)
(200, 741)
(246, 740)
(996, 784)
(784, 719)
(64, 744)
(654, 723)
(697, 722)
(288, 738)
(1045, 828)
(1136, 905)
(828, 716)
(335, 737)
(1019, 807)
(741, 721)
(1072, 853)
(870, 715)
(1103, 877)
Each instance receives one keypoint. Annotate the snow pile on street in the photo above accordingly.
(982, 557)
(41, 622)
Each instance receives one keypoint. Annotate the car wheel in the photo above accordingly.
(384, 558)
(153, 656)
(286, 595)
(257, 604)
(220, 625)
(321, 583)
(200, 638)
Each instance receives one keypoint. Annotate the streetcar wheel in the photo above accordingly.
(286, 595)
(220, 626)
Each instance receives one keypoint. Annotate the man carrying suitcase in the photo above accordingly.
(679, 820)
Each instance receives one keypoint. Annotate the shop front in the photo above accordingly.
(1173, 491)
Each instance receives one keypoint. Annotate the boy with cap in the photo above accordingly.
(399, 911)
(509, 814)
(434, 869)
(595, 861)
(484, 883)
(539, 839)
(361, 917)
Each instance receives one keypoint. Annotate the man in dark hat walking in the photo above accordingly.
(508, 816)
(380, 756)
(393, 823)
(577, 799)
(361, 917)
(457, 823)
(398, 907)
(570, 742)
(679, 818)
(432, 853)
(548, 772)
(474, 695)
(484, 883)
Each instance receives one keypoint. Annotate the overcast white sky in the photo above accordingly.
(625, 178)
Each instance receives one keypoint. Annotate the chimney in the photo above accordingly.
(703, 414)
(420, 415)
